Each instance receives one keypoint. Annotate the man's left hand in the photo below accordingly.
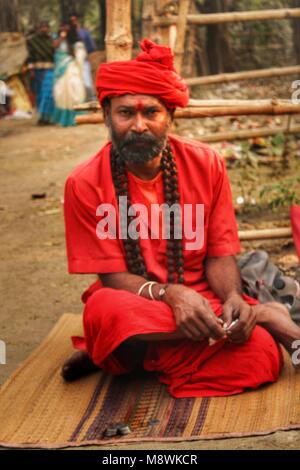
(236, 308)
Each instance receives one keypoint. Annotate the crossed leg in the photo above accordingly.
(272, 316)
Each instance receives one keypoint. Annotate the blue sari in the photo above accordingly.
(68, 86)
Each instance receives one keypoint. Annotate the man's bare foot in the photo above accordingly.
(275, 318)
(78, 365)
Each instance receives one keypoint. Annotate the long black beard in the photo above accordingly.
(137, 148)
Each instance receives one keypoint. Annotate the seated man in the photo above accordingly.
(170, 297)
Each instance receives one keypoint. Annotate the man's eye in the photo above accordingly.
(125, 112)
(151, 112)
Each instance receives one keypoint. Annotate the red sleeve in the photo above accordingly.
(85, 251)
(222, 235)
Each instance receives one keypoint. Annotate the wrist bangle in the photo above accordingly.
(142, 287)
(149, 284)
(150, 290)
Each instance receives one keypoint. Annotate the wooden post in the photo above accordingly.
(180, 37)
(118, 39)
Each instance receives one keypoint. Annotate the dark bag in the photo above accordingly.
(265, 282)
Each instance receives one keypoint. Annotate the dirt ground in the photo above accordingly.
(35, 286)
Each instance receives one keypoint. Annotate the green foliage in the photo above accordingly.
(281, 194)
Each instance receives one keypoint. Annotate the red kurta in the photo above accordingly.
(110, 317)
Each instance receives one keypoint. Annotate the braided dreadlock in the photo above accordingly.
(134, 258)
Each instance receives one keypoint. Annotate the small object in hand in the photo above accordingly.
(212, 341)
(232, 324)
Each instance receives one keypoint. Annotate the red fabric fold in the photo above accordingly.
(295, 222)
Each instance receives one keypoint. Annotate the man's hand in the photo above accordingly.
(236, 308)
(193, 315)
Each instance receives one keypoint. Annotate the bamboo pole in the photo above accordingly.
(118, 38)
(233, 17)
(180, 37)
(274, 102)
(247, 134)
(251, 74)
(234, 103)
(285, 232)
(211, 111)
(269, 109)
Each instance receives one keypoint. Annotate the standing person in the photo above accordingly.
(170, 286)
(83, 33)
(69, 88)
(41, 64)
(90, 46)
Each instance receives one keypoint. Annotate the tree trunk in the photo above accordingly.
(136, 21)
(212, 38)
(227, 55)
(102, 23)
(9, 18)
(296, 32)
(118, 39)
(220, 56)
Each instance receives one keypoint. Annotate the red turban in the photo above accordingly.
(152, 73)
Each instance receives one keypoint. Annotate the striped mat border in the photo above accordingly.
(39, 410)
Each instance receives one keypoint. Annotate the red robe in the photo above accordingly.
(110, 317)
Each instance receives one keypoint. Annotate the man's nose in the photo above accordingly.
(139, 124)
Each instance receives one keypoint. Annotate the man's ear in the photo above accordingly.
(171, 112)
(171, 116)
(106, 112)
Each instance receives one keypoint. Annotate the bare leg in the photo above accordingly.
(275, 318)
(78, 365)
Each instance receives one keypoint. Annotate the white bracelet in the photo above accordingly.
(142, 287)
(149, 284)
(150, 290)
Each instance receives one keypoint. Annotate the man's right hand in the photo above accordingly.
(193, 315)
